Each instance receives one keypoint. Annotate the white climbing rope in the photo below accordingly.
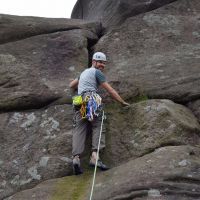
(95, 169)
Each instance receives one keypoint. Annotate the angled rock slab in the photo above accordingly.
(36, 71)
(43, 191)
(195, 107)
(148, 125)
(67, 188)
(165, 174)
(158, 52)
(13, 28)
(169, 173)
(35, 146)
(113, 12)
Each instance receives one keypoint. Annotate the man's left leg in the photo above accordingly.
(97, 123)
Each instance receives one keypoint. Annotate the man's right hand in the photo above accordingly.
(125, 104)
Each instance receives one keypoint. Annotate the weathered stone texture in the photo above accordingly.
(158, 52)
(113, 12)
(14, 28)
(35, 146)
(165, 174)
(148, 125)
(153, 62)
(35, 71)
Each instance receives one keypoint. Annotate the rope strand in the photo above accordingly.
(95, 169)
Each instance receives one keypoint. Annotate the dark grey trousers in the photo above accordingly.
(81, 128)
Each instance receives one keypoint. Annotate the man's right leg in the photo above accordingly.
(78, 140)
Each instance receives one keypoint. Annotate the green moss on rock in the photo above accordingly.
(73, 187)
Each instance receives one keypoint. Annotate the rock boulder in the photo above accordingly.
(35, 146)
(158, 52)
(35, 71)
(113, 12)
(165, 174)
(147, 125)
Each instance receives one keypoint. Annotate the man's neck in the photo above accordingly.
(94, 66)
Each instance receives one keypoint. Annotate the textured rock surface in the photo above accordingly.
(148, 125)
(113, 12)
(166, 174)
(14, 28)
(158, 52)
(152, 146)
(43, 191)
(195, 107)
(44, 63)
(38, 146)
(67, 188)
(35, 146)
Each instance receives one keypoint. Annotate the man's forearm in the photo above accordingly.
(116, 96)
(74, 84)
(114, 93)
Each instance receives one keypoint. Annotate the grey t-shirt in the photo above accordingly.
(90, 79)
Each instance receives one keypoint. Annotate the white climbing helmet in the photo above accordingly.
(99, 56)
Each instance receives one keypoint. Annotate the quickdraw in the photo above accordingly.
(91, 106)
(83, 110)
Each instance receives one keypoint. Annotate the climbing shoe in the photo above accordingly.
(100, 164)
(77, 165)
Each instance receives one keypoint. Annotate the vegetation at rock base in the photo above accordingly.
(73, 187)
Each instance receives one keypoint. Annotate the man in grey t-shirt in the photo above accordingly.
(89, 82)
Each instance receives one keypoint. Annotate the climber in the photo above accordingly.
(90, 113)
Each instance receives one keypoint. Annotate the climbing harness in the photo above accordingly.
(90, 106)
(95, 169)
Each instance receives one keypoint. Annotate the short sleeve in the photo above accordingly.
(100, 77)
